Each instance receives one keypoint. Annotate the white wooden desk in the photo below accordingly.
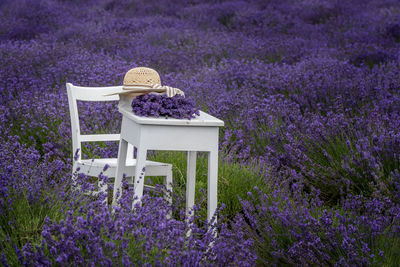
(144, 133)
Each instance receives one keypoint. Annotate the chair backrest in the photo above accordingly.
(76, 93)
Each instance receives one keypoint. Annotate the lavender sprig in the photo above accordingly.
(152, 105)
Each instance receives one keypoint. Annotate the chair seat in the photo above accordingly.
(112, 162)
(93, 167)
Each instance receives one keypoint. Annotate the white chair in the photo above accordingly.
(93, 167)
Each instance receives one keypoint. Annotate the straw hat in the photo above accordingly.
(142, 80)
(141, 76)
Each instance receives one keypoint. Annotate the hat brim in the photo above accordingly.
(139, 91)
(136, 86)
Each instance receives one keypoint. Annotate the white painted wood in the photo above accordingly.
(99, 137)
(122, 153)
(130, 151)
(168, 183)
(97, 93)
(199, 134)
(179, 138)
(94, 167)
(139, 172)
(131, 132)
(203, 120)
(190, 181)
(164, 137)
(212, 184)
(75, 130)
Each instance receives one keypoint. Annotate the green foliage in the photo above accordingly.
(23, 219)
(234, 180)
(335, 165)
(28, 217)
(391, 248)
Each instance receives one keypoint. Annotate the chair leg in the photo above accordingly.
(168, 191)
(139, 174)
(212, 184)
(168, 186)
(74, 177)
(190, 181)
(122, 152)
(102, 188)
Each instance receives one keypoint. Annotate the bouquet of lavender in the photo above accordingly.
(152, 105)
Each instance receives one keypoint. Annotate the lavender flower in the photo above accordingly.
(152, 105)
(308, 89)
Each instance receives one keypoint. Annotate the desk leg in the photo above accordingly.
(212, 184)
(190, 181)
(122, 152)
(139, 174)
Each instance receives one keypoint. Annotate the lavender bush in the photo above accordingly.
(308, 90)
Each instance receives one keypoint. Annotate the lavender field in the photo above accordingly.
(309, 171)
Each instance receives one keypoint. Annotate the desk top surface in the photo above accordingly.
(203, 120)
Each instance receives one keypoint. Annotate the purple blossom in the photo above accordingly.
(308, 90)
(152, 105)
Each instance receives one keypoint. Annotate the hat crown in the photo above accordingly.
(141, 76)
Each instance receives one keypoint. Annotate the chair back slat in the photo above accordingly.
(99, 137)
(96, 93)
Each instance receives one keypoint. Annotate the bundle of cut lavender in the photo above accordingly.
(152, 105)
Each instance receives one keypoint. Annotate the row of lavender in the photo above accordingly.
(308, 89)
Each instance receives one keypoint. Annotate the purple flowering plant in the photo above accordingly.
(154, 105)
(308, 90)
